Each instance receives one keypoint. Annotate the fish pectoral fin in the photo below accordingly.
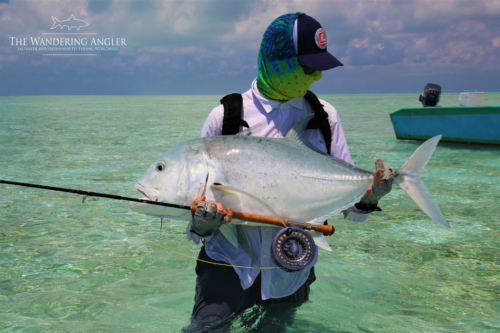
(319, 240)
(219, 186)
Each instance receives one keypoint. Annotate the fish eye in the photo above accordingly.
(160, 167)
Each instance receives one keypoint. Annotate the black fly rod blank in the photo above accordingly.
(325, 229)
(94, 194)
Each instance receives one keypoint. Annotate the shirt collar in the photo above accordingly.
(269, 104)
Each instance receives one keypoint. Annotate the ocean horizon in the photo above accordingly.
(222, 94)
(66, 268)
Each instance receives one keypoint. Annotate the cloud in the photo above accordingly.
(363, 52)
(218, 41)
(99, 6)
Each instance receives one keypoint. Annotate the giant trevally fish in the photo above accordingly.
(269, 176)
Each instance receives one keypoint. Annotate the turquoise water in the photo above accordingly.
(65, 268)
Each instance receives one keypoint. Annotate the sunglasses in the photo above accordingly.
(307, 70)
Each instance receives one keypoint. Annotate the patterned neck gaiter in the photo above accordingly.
(281, 77)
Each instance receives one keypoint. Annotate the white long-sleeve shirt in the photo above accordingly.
(276, 120)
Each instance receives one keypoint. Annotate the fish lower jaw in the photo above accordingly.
(147, 197)
(148, 192)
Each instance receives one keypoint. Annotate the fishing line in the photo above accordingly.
(133, 233)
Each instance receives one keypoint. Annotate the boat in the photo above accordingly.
(458, 124)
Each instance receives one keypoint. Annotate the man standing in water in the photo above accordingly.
(291, 57)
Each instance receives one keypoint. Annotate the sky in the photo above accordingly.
(210, 47)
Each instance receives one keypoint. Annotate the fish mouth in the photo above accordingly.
(150, 192)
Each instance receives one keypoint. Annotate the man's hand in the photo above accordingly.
(209, 216)
(382, 184)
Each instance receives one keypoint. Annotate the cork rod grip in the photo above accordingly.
(327, 230)
(251, 217)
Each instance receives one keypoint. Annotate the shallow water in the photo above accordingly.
(65, 268)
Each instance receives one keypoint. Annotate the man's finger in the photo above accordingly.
(368, 191)
(198, 200)
(376, 178)
(229, 214)
(220, 208)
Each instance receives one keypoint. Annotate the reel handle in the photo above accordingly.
(327, 230)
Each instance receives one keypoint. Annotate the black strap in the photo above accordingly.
(233, 105)
(320, 119)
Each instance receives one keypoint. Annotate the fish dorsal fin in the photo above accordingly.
(298, 134)
(250, 131)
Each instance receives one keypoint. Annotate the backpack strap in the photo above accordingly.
(233, 105)
(320, 120)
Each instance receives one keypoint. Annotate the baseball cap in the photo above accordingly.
(309, 39)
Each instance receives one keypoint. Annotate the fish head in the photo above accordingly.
(178, 176)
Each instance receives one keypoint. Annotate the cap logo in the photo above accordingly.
(320, 38)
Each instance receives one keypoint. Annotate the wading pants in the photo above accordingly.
(219, 294)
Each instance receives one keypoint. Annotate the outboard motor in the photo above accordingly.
(431, 95)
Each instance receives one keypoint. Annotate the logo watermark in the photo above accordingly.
(70, 23)
(71, 43)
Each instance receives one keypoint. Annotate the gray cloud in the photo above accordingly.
(362, 52)
(99, 6)
(215, 43)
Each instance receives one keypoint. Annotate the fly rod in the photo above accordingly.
(325, 229)
(94, 194)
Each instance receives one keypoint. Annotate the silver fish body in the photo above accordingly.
(298, 183)
(269, 176)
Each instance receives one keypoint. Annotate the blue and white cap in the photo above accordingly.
(309, 39)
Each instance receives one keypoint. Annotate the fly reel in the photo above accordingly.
(293, 249)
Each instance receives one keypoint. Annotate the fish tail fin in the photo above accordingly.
(409, 175)
(56, 23)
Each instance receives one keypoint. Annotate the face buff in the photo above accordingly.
(281, 77)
